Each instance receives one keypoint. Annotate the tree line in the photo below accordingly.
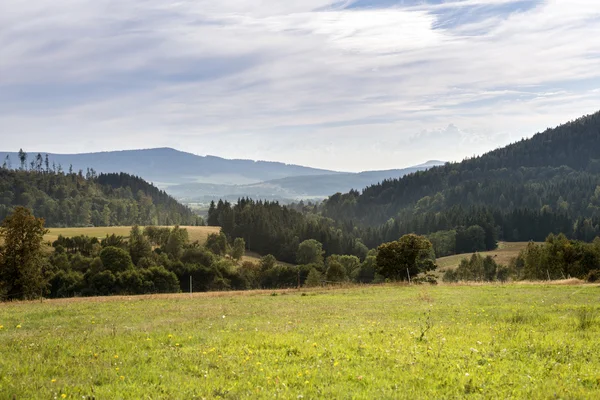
(163, 260)
(69, 199)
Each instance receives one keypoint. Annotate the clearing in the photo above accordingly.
(503, 254)
(199, 233)
(484, 341)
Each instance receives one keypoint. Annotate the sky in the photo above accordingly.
(348, 85)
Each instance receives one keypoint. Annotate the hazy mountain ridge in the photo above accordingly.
(167, 166)
(292, 188)
(193, 178)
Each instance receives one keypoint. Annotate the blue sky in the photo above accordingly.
(346, 85)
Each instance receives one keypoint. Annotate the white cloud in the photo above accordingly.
(310, 82)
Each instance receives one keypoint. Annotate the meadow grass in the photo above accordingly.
(199, 233)
(502, 255)
(450, 341)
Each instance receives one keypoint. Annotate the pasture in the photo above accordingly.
(503, 254)
(483, 341)
(199, 233)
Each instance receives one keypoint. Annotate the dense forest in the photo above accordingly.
(75, 199)
(525, 191)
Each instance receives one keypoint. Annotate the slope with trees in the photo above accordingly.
(76, 199)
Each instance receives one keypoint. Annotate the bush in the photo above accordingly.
(427, 278)
(115, 259)
(314, 278)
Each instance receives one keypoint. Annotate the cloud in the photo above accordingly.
(338, 84)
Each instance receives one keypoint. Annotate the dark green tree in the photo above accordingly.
(22, 274)
(412, 252)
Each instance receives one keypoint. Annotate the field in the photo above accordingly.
(503, 254)
(483, 341)
(199, 233)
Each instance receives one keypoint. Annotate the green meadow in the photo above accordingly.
(432, 342)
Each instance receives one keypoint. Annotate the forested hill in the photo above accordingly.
(556, 171)
(547, 184)
(72, 199)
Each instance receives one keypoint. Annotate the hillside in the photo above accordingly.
(103, 200)
(291, 188)
(547, 184)
(166, 166)
(527, 189)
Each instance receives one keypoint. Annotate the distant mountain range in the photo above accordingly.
(192, 178)
(166, 167)
(293, 187)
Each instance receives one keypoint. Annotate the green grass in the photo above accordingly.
(199, 233)
(515, 341)
(503, 254)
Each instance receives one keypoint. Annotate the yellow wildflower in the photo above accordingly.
(64, 396)
(19, 326)
(122, 377)
(53, 380)
(116, 356)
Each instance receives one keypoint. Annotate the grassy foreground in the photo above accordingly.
(516, 341)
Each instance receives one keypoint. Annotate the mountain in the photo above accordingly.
(73, 200)
(165, 166)
(291, 188)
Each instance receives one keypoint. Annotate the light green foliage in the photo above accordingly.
(178, 238)
(314, 278)
(139, 245)
(310, 252)
(238, 249)
(494, 342)
(267, 262)
(443, 242)
(335, 272)
(217, 243)
(351, 264)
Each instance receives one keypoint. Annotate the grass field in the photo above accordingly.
(503, 254)
(253, 257)
(515, 341)
(199, 233)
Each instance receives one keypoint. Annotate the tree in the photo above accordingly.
(313, 279)
(310, 252)
(23, 158)
(335, 272)
(213, 218)
(139, 245)
(411, 252)
(217, 243)
(267, 262)
(239, 248)
(178, 238)
(115, 259)
(21, 256)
